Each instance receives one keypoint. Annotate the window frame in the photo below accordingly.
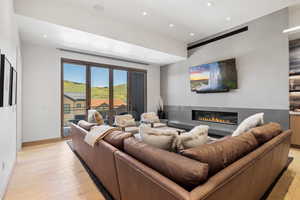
(88, 66)
(67, 108)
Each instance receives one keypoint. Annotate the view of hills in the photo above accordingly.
(120, 91)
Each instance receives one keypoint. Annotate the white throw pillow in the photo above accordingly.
(196, 137)
(163, 139)
(250, 122)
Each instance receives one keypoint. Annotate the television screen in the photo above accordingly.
(218, 76)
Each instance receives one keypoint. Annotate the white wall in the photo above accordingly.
(41, 84)
(9, 44)
(262, 64)
(294, 16)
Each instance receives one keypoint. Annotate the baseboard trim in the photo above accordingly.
(39, 142)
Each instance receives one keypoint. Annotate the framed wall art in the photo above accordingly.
(5, 71)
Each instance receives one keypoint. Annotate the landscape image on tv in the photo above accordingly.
(218, 76)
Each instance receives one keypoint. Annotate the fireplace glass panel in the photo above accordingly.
(215, 116)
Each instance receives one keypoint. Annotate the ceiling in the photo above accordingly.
(188, 16)
(136, 29)
(33, 31)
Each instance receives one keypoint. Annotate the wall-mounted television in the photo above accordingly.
(218, 76)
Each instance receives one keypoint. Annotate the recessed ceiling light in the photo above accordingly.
(45, 36)
(228, 18)
(144, 13)
(171, 25)
(192, 34)
(209, 4)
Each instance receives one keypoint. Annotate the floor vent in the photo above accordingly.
(219, 37)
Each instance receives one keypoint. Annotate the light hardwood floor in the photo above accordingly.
(52, 171)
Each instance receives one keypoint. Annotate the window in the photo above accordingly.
(74, 93)
(67, 108)
(111, 90)
(100, 93)
(120, 91)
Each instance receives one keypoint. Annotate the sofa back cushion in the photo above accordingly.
(86, 125)
(266, 132)
(184, 171)
(116, 138)
(221, 154)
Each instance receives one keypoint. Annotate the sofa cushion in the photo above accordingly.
(160, 138)
(222, 153)
(86, 125)
(116, 138)
(124, 120)
(248, 123)
(150, 117)
(196, 137)
(266, 132)
(159, 125)
(184, 171)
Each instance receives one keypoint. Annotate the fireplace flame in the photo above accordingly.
(214, 119)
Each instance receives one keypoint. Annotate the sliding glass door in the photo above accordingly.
(74, 93)
(111, 90)
(120, 90)
(100, 93)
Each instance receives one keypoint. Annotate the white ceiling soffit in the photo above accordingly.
(192, 19)
(44, 33)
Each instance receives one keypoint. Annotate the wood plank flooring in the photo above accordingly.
(52, 171)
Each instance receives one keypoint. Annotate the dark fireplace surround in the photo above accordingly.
(230, 118)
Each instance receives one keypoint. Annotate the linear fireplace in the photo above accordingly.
(215, 116)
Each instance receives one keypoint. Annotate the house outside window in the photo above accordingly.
(78, 105)
(67, 108)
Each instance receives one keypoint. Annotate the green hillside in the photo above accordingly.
(120, 91)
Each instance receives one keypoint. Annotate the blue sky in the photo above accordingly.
(100, 76)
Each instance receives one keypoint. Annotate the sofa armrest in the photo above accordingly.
(249, 174)
(138, 181)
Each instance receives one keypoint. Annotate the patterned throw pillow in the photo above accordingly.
(196, 137)
(95, 117)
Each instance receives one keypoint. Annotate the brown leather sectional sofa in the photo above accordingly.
(127, 178)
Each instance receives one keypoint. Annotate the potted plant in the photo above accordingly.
(160, 111)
